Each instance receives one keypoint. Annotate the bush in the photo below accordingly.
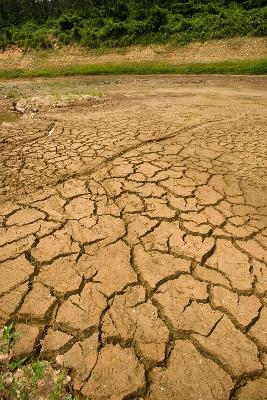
(121, 24)
(39, 40)
(157, 17)
(113, 30)
(90, 38)
(5, 38)
(67, 22)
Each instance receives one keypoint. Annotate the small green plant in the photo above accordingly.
(38, 369)
(15, 364)
(6, 338)
(2, 386)
(55, 395)
(33, 379)
(11, 94)
(21, 379)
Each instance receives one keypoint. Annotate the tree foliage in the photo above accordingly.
(95, 23)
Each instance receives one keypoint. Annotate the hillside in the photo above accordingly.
(44, 24)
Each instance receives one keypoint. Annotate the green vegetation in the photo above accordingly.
(6, 338)
(11, 94)
(230, 67)
(26, 379)
(43, 24)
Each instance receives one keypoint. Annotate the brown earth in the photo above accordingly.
(238, 48)
(133, 242)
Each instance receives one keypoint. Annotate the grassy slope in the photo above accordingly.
(224, 67)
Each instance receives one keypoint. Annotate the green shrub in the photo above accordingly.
(39, 40)
(112, 30)
(67, 22)
(157, 17)
(121, 24)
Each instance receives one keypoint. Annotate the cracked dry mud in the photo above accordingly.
(133, 241)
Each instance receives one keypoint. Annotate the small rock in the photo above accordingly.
(20, 109)
(4, 357)
(60, 359)
(19, 373)
(67, 379)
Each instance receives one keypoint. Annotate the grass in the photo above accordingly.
(28, 380)
(257, 67)
(11, 94)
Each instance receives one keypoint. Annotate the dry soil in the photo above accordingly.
(238, 49)
(133, 238)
